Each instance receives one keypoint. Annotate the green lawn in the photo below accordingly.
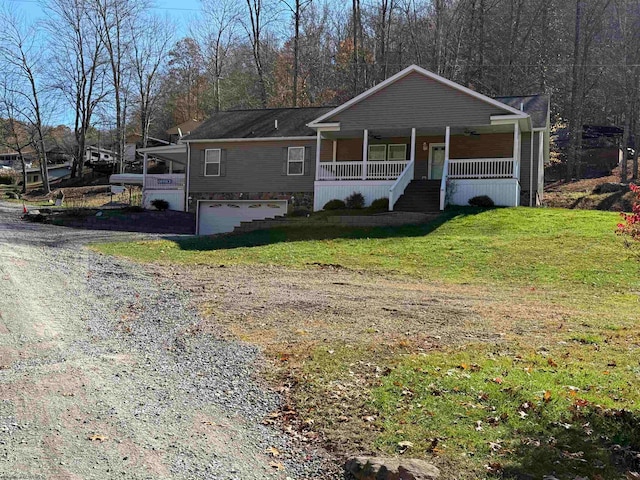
(560, 399)
(544, 247)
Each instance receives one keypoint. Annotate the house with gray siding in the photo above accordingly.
(418, 139)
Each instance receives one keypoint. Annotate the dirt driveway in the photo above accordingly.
(101, 375)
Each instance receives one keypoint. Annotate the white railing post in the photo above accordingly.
(445, 169)
(318, 145)
(365, 153)
(144, 171)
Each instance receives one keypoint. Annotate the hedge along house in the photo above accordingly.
(424, 142)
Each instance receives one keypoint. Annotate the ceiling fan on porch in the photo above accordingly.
(470, 133)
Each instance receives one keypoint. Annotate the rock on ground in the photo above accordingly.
(379, 468)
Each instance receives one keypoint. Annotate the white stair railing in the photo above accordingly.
(400, 185)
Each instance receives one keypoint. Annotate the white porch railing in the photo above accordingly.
(481, 168)
(172, 181)
(400, 185)
(375, 170)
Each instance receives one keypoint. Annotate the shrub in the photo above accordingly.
(630, 227)
(481, 201)
(355, 200)
(334, 204)
(12, 195)
(133, 209)
(299, 212)
(380, 204)
(6, 180)
(160, 204)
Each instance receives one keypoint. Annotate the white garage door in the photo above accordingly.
(224, 216)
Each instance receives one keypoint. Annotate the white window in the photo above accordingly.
(377, 153)
(295, 161)
(212, 162)
(397, 152)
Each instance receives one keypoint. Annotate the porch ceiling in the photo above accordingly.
(421, 132)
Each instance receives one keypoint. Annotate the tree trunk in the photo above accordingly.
(575, 129)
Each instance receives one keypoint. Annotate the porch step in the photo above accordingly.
(420, 196)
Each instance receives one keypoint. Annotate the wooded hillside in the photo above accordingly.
(116, 64)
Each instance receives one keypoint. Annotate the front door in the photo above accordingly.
(436, 160)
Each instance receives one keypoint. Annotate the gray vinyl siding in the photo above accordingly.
(252, 167)
(416, 101)
(525, 166)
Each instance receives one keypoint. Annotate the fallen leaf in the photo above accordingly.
(551, 362)
(98, 438)
(522, 414)
(276, 465)
(273, 451)
(497, 380)
(547, 396)
(404, 446)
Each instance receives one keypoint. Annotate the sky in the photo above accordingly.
(182, 11)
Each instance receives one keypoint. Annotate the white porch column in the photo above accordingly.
(447, 141)
(170, 167)
(144, 171)
(516, 161)
(365, 153)
(318, 145)
(413, 145)
(516, 150)
(335, 151)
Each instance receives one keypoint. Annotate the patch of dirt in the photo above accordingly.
(292, 315)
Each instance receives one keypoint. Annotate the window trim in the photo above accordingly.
(289, 161)
(207, 162)
(377, 145)
(404, 145)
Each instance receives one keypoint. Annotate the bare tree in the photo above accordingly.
(79, 63)
(13, 134)
(220, 19)
(148, 53)
(22, 59)
(296, 7)
(258, 20)
(116, 20)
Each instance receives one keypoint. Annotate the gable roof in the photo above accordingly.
(419, 70)
(536, 106)
(260, 123)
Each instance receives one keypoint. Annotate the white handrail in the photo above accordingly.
(400, 185)
(353, 170)
(175, 181)
(443, 184)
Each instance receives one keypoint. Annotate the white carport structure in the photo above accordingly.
(169, 186)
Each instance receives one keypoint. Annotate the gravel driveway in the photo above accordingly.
(102, 376)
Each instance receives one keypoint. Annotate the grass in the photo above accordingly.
(556, 396)
(529, 247)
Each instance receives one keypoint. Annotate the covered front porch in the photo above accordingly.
(465, 161)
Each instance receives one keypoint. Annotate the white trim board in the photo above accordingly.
(403, 73)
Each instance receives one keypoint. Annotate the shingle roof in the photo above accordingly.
(292, 122)
(537, 106)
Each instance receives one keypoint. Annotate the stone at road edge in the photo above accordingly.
(379, 468)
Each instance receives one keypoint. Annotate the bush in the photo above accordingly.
(160, 204)
(133, 209)
(355, 201)
(299, 212)
(380, 204)
(481, 201)
(334, 204)
(6, 180)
